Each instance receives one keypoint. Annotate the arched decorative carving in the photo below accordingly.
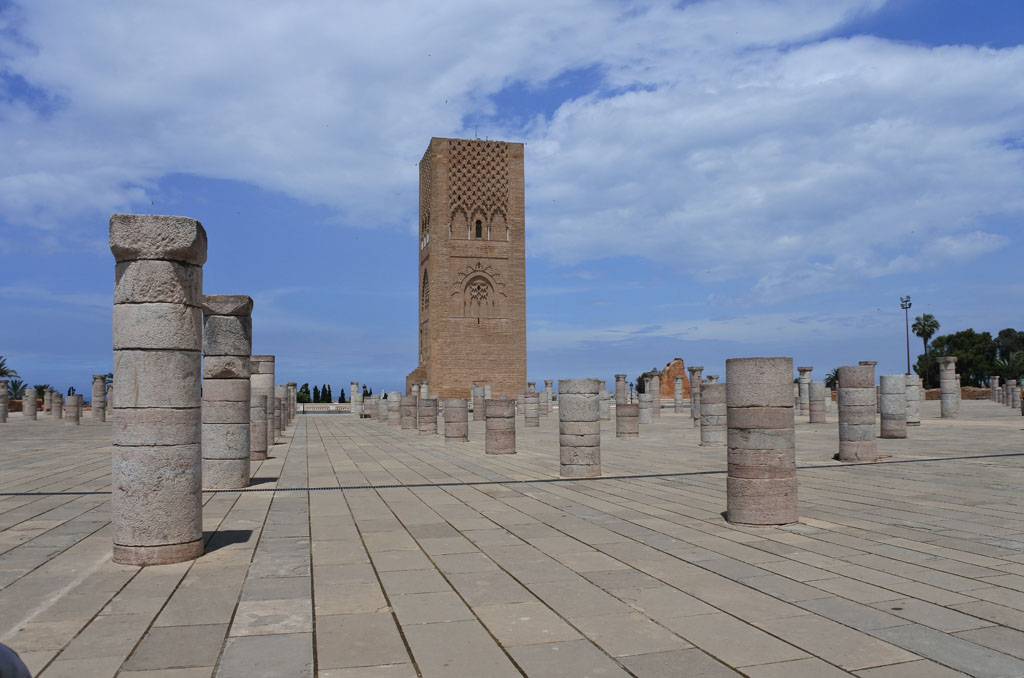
(478, 298)
(478, 291)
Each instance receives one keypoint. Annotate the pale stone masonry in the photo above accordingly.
(913, 399)
(816, 392)
(646, 403)
(426, 415)
(456, 420)
(696, 372)
(478, 402)
(654, 389)
(257, 426)
(261, 382)
(949, 393)
(804, 389)
(678, 404)
(499, 426)
(28, 404)
(57, 405)
(531, 409)
(761, 486)
(3, 400)
(355, 398)
(606, 405)
(545, 398)
(993, 388)
(408, 420)
(713, 415)
(893, 388)
(99, 397)
(73, 411)
(382, 410)
(47, 396)
(627, 421)
(857, 413)
(1014, 393)
(394, 408)
(621, 390)
(579, 428)
(156, 502)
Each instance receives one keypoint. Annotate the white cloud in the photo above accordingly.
(729, 131)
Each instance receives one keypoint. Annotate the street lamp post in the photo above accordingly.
(905, 305)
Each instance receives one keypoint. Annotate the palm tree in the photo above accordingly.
(6, 371)
(16, 389)
(832, 378)
(1010, 368)
(41, 389)
(925, 326)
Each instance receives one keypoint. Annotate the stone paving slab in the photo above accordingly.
(364, 550)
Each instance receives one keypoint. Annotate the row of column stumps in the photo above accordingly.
(696, 387)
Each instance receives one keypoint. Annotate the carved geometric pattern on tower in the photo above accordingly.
(478, 179)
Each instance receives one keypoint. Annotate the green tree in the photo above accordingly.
(925, 326)
(316, 394)
(1008, 342)
(832, 378)
(16, 389)
(6, 371)
(975, 358)
(302, 395)
(341, 397)
(330, 396)
(1011, 367)
(42, 388)
(641, 386)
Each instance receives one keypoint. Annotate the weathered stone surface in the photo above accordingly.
(227, 304)
(157, 498)
(816, 394)
(99, 397)
(73, 410)
(226, 412)
(151, 236)
(157, 426)
(28, 404)
(456, 420)
(621, 389)
(153, 281)
(627, 421)
(157, 326)
(499, 426)
(761, 383)
(234, 390)
(156, 379)
(857, 413)
(804, 389)
(227, 335)
(4, 391)
(893, 405)
(531, 409)
(646, 406)
(713, 414)
(913, 400)
(226, 367)
(394, 408)
(258, 427)
(408, 420)
(426, 415)
(579, 436)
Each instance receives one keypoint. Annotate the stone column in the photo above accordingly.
(499, 426)
(99, 397)
(370, 407)
(261, 382)
(28, 404)
(478, 403)
(531, 387)
(761, 482)
(355, 398)
(57, 405)
(394, 408)
(73, 410)
(696, 374)
(621, 390)
(627, 421)
(857, 413)
(816, 402)
(646, 405)
(913, 399)
(110, 399)
(878, 395)
(949, 393)
(1014, 393)
(677, 395)
(993, 388)
(276, 421)
(456, 420)
(257, 426)
(606, 405)
(531, 409)
(47, 401)
(894, 405)
(655, 390)
(713, 415)
(712, 379)
(227, 401)
(408, 420)
(290, 387)
(156, 502)
(3, 400)
(545, 398)
(1003, 391)
(424, 389)
(805, 389)
(579, 428)
(426, 415)
(382, 409)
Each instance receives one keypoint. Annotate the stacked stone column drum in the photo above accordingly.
(355, 398)
(257, 426)
(292, 400)
(627, 421)
(696, 374)
(545, 399)
(606, 405)
(499, 426)
(857, 413)
(816, 402)
(1014, 393)
(949, 392)
(456, 420)
(805, 389)
(408, 420)
(913, 399)
(677, 395)
(370, 407)
(394, 408)
(654, 388)
(261, 382)
(893, 405)
(478, 403)
(531, 409)
(73, 411)
(57, 405)
(28, 404)
(621, 390)
(156, 500)
(99, 397)
(47, 401)
(3, 400)
(993, 388)
(713, 415)
(426, 415)
(277, 413)
(646, 405)
(761, 481)
(227, 401)
(579, 428)
(382, 410)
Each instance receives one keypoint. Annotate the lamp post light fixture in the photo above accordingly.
(905, 305)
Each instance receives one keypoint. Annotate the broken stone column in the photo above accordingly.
(894, 405)
(545, 398)
(99, 397)
(696, 374)
(227, 400)
(456, 420)
(3, 400)
(761, 482)
(276, 421)
(655, 390)
(713, 414)
(355, 398)
(47, 401)
(993, 388)
(646, 404)
(478, 403)
(394, 408)
(878, 395)
(426, 415)
(606, 405)
(627, 421)
(499, 426)
(1002, 394)
(382, 410)
(531, 409)
(531, 387)
(1014, 393)
(857, 413)
(156, 499)
(949, 394)
(805, 389)
(73, 410)
(579, 428)
(28, 404)
(621, 390)
(677, 395)
(57, 405)
(257, 426)
(408, 421)
(292, 389)
(370, 407)
(261, 382)
(913, 399)
(816, 402)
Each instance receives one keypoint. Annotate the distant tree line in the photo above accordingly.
(320, 394)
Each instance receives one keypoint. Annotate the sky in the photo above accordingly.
(704, 180)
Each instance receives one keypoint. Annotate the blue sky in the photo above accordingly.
(704, 180)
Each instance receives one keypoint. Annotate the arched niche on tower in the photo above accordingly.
(478, 291)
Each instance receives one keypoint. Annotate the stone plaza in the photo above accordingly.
(367, 549)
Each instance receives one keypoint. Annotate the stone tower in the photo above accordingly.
(472, 268)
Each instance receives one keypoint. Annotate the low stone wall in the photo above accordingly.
(966, 393)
